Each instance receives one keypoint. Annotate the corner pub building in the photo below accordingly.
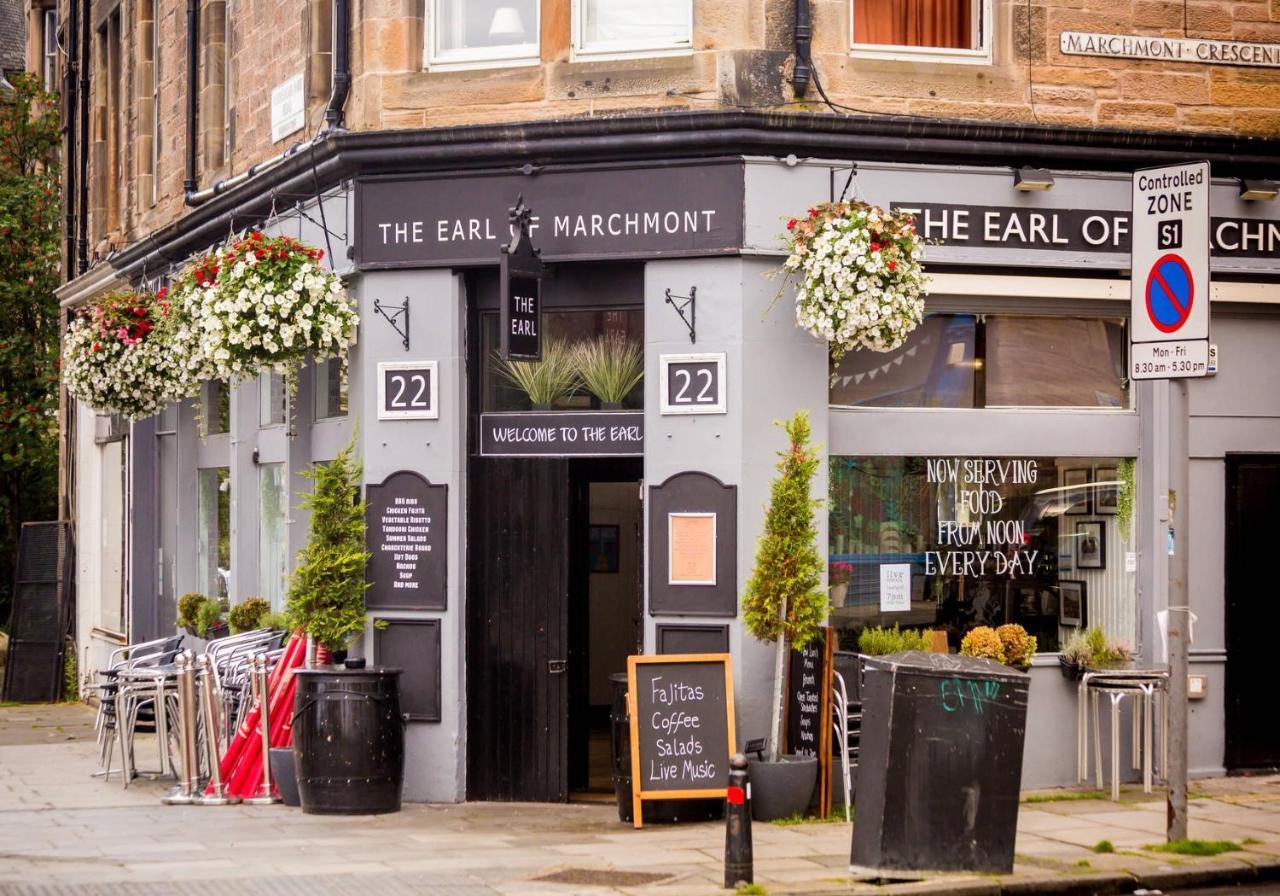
(521, 552)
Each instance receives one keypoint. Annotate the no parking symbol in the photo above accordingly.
(1170, 292)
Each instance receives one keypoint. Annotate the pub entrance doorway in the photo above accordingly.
(553, 607)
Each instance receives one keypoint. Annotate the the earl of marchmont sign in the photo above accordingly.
(1171, 49)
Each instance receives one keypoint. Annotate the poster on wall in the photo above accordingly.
(895, 587)
(692, 546)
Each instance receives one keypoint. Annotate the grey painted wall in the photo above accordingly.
(772, 370)
(435, 759)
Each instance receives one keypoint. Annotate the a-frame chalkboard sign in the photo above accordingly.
(520, 272)
(808, 709)
(681, 709)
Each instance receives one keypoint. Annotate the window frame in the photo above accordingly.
(581, 51)
(902, 52)
(434, 58)
(49, 48)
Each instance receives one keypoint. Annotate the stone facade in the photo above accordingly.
(742, 56)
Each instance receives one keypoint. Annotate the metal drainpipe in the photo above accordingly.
(804, 35)
(82, 225)
(193, 98)
(341, 64)
(69, 110)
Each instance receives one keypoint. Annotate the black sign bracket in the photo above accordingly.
(394, 318)
(689, 302)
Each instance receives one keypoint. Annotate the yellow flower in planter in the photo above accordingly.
(983, 642)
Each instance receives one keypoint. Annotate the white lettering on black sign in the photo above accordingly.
(407, 390)
(406, 540)
(692, 384)
(567, 434)
(682, 718)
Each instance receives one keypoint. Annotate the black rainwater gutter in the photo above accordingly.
(338, 156)
(341, 64)
(82, 211)
(69, 110)
(804, 37)
(193, 98)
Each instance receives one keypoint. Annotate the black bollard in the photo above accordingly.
(737, 836)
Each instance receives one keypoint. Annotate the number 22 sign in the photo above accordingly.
(408, 390)
(693, 384)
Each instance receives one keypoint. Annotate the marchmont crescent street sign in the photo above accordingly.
(1171, 49)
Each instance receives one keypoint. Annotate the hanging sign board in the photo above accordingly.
(562, 434)
(681, 710)
(520, 272)
(809, 708)
(1169, 283)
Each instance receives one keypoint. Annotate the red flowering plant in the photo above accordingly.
(858, 275)
(262, 303)
(118, 355)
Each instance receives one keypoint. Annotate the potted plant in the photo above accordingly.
(211, 622)
(189, 610)
(1009, 644)
(248, 614)
(546, 382)
(1091, 651)
(784, 603)
(609, 367)
(326, 590)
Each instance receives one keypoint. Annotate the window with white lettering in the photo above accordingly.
(951, 543)
(992, 361)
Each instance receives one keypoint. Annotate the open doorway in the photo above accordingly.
(605, 612)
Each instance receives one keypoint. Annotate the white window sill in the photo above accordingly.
(921, 54)
(471, 65)
(608, 54)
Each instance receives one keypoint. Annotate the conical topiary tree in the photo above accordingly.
(326, 591)
(784, 601)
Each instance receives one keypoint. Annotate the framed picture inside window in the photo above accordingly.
(1091, 544)
(1071, 603)
(1075, 492)
(602, 548)
(1106, 491)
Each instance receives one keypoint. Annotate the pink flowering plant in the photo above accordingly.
(118, 355)
(858, 274)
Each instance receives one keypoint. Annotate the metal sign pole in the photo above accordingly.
(1179, 621)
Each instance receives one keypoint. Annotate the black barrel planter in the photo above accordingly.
(348, 741)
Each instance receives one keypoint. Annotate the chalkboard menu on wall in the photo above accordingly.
(412, 645)
(407, 538)
(681, 711)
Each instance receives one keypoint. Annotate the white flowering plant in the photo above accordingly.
(119, 356)
(271, 305)
(858, 273)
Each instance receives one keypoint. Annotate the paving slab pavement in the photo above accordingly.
(64, 832)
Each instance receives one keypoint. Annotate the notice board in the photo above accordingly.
(808, 729)
(681, 709)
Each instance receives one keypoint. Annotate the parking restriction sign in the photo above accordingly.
(1169, 285)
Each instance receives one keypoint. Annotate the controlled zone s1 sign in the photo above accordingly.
(1169, 299)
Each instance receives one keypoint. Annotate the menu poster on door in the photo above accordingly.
(692, 548)
(681, 709)
(406, 539)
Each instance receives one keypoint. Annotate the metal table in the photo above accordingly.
(1147, 687)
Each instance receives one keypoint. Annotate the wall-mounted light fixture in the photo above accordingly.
(1028, 179)
(1256, 189)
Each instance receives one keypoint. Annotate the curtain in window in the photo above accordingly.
(914, 23)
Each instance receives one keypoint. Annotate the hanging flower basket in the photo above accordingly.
(118, 355)
(271, 305)
(858, 275)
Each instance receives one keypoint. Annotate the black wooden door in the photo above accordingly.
(1253, 492)
(517, 611)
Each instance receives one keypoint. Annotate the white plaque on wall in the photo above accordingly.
(288, 111)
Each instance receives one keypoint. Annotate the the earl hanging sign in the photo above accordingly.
(521, 271)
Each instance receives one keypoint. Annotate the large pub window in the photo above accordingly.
(1046, 542)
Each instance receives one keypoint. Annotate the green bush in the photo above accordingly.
(189, 609)
(881, 641)
(248, 614)
(278, 621)
(208, 617)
